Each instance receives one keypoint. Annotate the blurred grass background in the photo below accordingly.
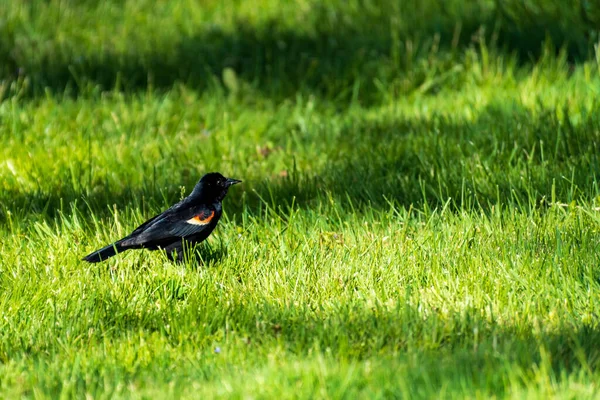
(340, 50)
(418, 216)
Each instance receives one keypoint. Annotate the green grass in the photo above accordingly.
(419, 218)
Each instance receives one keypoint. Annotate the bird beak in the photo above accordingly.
(232, 181)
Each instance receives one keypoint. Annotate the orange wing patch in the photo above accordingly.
(201, 219)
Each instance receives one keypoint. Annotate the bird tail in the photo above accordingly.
(105, 252)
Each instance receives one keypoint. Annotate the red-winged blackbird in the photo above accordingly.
(191, 220)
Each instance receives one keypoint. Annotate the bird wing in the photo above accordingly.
(191, 226)
(145, 224)
(171, 224)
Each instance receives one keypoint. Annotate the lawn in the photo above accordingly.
(419, 215)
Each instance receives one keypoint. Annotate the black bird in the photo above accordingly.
(191, 220)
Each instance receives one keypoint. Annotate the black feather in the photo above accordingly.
(104, 253)
(168, 229)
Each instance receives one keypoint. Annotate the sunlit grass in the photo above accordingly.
(418, 225)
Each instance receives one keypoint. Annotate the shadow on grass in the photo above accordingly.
(369, 51)
(205, 254)
(432, 348)
(509, 155)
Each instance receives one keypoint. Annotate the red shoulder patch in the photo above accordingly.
(201, 219)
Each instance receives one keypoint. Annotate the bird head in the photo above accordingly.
(213, 186)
